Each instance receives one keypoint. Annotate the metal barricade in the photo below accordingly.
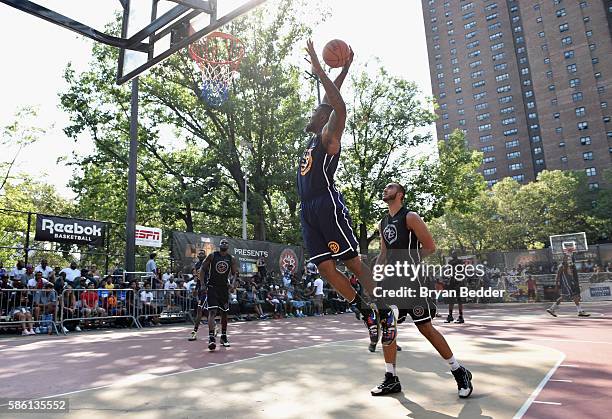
(143, 277)
(89, 306)
(165, 304)
(32, 309)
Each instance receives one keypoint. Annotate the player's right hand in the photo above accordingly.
(314, 59)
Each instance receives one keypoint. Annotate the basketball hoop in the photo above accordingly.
(218, 56)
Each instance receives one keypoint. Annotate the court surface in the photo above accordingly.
(525, 364)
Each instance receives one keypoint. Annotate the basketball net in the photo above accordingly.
(218, 56)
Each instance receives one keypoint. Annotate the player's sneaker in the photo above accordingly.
(464, 382)
(449, 319)
(399, 348)
(551, 312)
(460, 320)
(212, 344)
(372, 347)
(389, 385)
(583, 314)
(193, 336)
(224, 341)
(388, 326)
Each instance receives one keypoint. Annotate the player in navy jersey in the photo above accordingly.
(326, 223)
(405, 237)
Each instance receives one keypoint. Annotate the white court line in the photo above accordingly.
(561, 381)
(569, 365)
(572, 341)
(536, 392)
(553, 403)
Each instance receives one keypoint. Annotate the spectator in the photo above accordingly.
(19, 272)
(71, 273)
(47, 271)
(108, 284)
(2, 270)
(45, 301)
(272, 299)
(18, 308)
(531, 289)
(151, 267)
(201, 258)
(149, 310)
(170, 286)
(68, 304)
(166, 276)
(60, 283)
(90, 302)
(36, 281)
(234, 304)
(318, 296)
(261, 268)
(93, 273)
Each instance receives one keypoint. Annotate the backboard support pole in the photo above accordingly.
(130, 221)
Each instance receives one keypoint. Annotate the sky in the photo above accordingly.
(35, 54)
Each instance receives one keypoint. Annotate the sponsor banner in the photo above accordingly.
(597, 292)
(148, 236)
(51, 228)
(278, 257)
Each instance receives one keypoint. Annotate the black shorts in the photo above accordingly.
(457, 299)
(217, 297)
(326, 228)
(569, 288)
(531, 294)
(420, 313)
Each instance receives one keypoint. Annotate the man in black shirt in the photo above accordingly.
(201, 296)
(405, 238)
(455, 285)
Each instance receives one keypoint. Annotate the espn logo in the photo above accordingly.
(148, 235)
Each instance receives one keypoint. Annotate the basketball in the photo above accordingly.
(335, 53)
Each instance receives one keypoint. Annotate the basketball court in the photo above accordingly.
(525, 364)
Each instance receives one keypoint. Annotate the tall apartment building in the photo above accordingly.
(529, 82)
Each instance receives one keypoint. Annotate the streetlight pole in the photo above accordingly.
(244, 207)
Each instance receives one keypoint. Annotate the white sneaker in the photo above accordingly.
(25, 333)
(37, 330)
(31, 332)
(77, 329)
(65, 330)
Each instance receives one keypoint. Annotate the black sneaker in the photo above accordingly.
(583, 313)
(224, 341)
(372, 347)
(551, 311)
(399, 348)
(464, 382)
(449, 319)
(212, 344)
(460, 320)
(193, 336)
(389, 385)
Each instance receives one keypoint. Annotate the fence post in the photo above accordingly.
(27, 238)
(108, 227)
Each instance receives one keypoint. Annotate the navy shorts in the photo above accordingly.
(569, 288)
(326, 228)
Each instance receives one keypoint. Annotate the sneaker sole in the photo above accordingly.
(396, 389)
(552, 313)
(192, 339)
(211, 346)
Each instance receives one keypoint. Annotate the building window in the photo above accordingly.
(507, 110)
(539, 162)
(561, 13)
(580, 111)
(494, 26)
(562, 144)
(523, 60)
(537, 150)
(491, 16)
(593, 47)
(568, 54)
(461, 111)
(499, 56)
(513, 155)
(551, 87)
(527, 82)
(510, 132)
(483, 116)
(490, 7)
(587, 155)
(539, 19)
(589, 34)
(458, 90)
(457, 80)
(563, 159)
(556, 115)
(454, 60)
(444, 116)
(481, 106)
(533, 115)
(477, 74)
(503, 89)
(508, 121)
(530, 105)
(547, 60)
(505, 99)
(597, 75)
(519, 178)
(513, 143)
(470, 35)
(601, 89)
(467, 6)
(518, 28)
(572, 68)
(585, 140)
(495, 47)
(490, 171)
(515, 166)
(484, 127)
(486, 138)
(577, 97)
(529, 93)
(462, 122)
(583, 4)
(491, 182)
(487, 149)
(566, 41)
(453, 51)
(591, 171)
(490, 159)
(500, 67)
(582, 125)
(456, 70)
(474, 53)
(460, 101)
(563, 27)
(468, 15)
(606, 119)
(534, 126)
(559, 130)
(549, 74)
(574, 82)
(478, 96)
(502, 77)
(593, 186)
(495, 36)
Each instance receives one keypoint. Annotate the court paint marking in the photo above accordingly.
(562, 381)
(536, 392)
(551, 403)
(572, 341)
(569, 366)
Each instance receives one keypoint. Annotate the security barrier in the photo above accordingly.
(31, 309)
(154, 305)
(97, 306)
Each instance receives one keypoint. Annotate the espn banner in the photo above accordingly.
(148, 236)
(50, 228)
(186, 246)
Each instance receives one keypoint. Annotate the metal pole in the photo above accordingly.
(244, 208)
(108, 227)
(130, 219)
(27, 238)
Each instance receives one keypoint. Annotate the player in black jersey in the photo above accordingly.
(215, 273)
(404, 235)
(569, 287)
(326, 223)
(201, 297)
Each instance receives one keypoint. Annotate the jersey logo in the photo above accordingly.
(390, 233)
(222, 267)
(334, 247)
(418, 311)
(306, 162)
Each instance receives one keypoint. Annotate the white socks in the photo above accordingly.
(453, 363)
(578, 308)
(390, 368)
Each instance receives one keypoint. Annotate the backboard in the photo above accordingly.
(166, 26)
(571, 242)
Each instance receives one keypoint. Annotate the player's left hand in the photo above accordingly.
(314, 59)
(349, 61)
